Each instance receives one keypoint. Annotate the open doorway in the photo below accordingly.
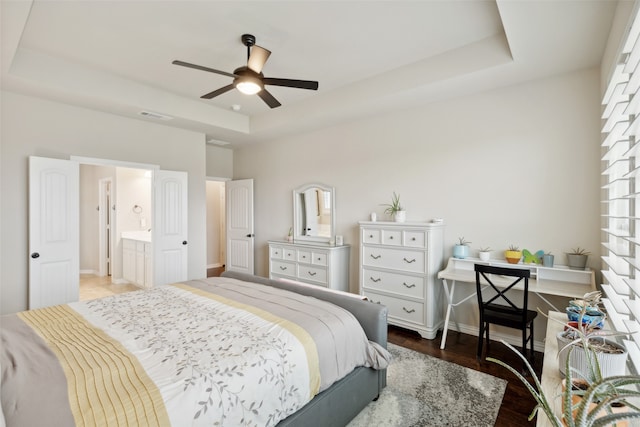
(114, 200)
(216, 227)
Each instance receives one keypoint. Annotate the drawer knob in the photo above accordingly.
(390, 237)
(371, 236)
(413, 238)
(413, 285)
(408, 311)
(409, 261)
(304, 257)
(312, 273)
(283, 268)
(374, 280)
(376, 256)
(319, 258)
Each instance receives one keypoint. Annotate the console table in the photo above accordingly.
(558, 281)
(551, 379)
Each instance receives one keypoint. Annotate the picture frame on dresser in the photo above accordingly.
(399, 263)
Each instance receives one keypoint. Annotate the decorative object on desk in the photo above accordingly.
(484, 254)
(608, 393)
(584, 341)
(395, 209)
(290, 235)
(577, 258)
(530, 258)
(339, 240)
(513, 254)
(547, 260)
(461, 249)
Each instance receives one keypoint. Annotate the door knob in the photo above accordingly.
(251, 235)
(35, 255)
(184, 242)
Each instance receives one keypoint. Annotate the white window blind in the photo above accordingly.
(621, 172)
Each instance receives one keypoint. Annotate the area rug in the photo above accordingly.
(426, 391)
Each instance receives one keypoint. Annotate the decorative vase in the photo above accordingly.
(460, 251)
(547, 260)
(484, 255)
(400, 216)
(513, 257)
(611, 364)
(577, 261)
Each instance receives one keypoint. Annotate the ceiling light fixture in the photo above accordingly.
(248, 85)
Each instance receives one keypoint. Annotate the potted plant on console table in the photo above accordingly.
(595, 398)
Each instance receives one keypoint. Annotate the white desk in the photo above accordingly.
(558, 281)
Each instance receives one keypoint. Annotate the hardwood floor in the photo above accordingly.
(517, 403)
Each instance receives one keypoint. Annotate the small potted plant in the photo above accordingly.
(461, 249)
(395, 209)
(513, 254)
(577, 258)
(484, 253)
(290, 235)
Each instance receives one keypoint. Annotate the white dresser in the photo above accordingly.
(317, 264)
(398, 267)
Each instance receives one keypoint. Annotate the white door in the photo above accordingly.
(239, 195)
(54, 247)
(169, 231)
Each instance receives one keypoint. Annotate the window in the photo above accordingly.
(621, 178)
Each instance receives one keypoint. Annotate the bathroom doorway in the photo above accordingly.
(216, 226)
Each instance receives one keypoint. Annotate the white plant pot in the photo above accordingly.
(400, 216)
(484, 256)
(610, 363)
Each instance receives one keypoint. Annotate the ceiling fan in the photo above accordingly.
(249, 79)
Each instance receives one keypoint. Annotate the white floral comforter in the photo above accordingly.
(212, 352)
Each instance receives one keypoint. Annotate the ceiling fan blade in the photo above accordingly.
(258, 58)
(268, 98)
(200, 67)
(217, 92)
(300, 84)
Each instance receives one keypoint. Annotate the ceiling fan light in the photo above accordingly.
(248, 87)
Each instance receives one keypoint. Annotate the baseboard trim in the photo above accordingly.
(216, 265)
(94, 272)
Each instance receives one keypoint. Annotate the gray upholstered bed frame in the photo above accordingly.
(340, 403)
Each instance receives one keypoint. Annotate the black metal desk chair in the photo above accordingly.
(510, 314)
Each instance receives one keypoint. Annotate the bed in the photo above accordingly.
(234, 350)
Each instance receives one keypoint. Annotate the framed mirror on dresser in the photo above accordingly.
(312, 257)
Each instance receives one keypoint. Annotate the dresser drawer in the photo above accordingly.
(401, 284)
(408, 311)
(392, 237)
(397, 259)
(319, 258)
(371, 236)
(304, 257)
(283, 268)
(276, 252)
(415, 239)
(289, 254)
(316, 274)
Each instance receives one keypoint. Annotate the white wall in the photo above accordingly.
(32, 126)
(519, 165)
